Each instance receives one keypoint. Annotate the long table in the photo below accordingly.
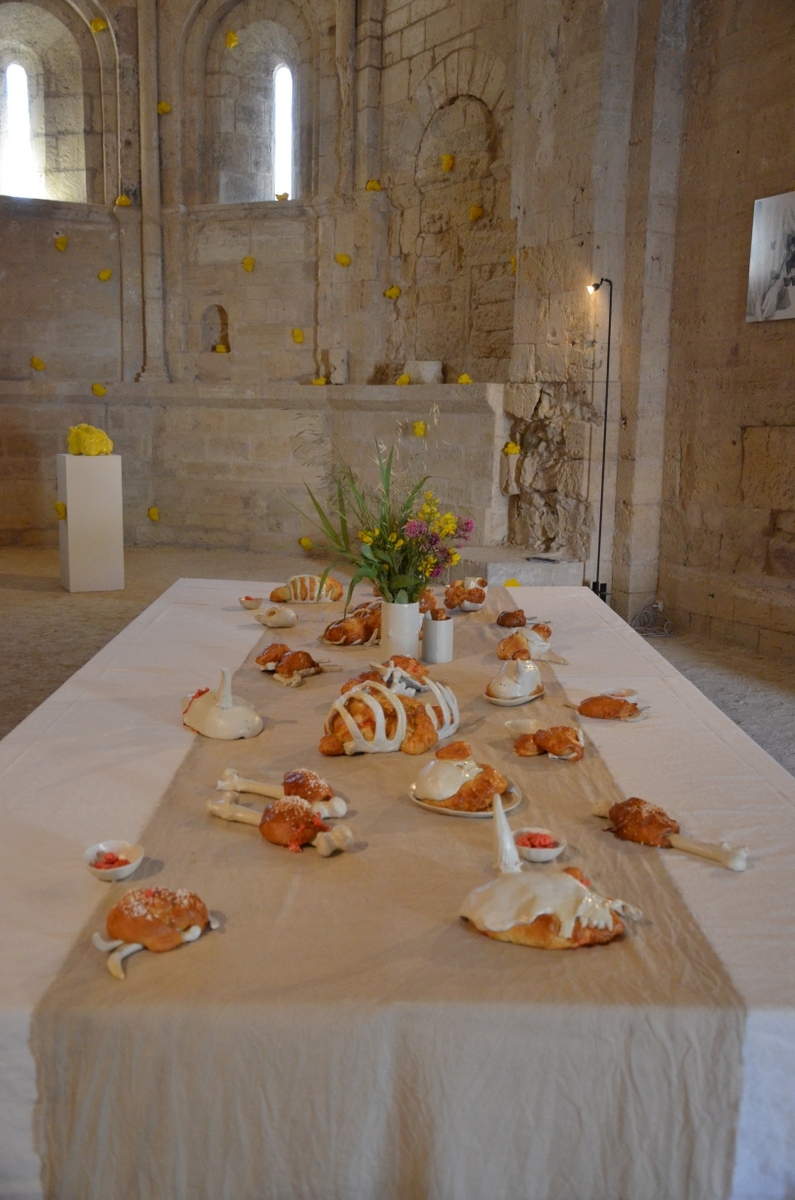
(96, 758)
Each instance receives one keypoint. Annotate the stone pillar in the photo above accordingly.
(344, 54)
(151, 222)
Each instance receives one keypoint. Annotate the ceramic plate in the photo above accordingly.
(510, 800)
(513, 703)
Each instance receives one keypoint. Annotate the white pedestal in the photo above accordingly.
(92, 536)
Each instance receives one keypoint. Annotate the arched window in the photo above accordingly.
(18, 174)
(283, 131)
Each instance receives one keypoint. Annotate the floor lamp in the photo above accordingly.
(596, 586)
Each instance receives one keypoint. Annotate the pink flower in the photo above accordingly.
(415, 528)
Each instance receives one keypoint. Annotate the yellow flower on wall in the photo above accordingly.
(282, 195)
(403, 379)
(372, 185)
(305, 543)
(98, 389)
(123, 201)
(511, 448)
(61, 242)
(420, 428)
(298, 336)
(320, 381)
(511, 583)
(153, 513)
(163, 107)
(105, 274)
(231, 39)
(392, 292)
(248, 263)
(98, 24)
(464, 378)
(475, 212)
(37, 363)
(447, 162)
(221, 348)
(343, 259)
(60, 510)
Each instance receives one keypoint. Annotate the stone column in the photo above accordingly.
(151, 223)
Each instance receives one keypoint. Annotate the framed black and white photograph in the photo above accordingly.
(771, 272)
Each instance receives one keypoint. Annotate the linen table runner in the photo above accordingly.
(344, 1036)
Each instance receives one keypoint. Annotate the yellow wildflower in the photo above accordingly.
(37, 363)
(163, 107)
(297, 335)
(403, 379)
(343, 259)
(98, 24)
(365, 537)
(320, 381)
(248, 263)
(393, 537)
(513, 264)
(392, 292)
(231, 39)
(105, 274)
(475, 212)
(60, 509)
(372, 185)
(221, 348)
(98, 389)
(447, 162)
(512, 448)
(123, 201)
(455, 558)
(282, 195)
(153, 513)
(511, 583)
(400, 542)
(464, 378)
(419, 428)
(305, 543)
(61, 242)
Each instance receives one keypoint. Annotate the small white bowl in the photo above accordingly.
(538, 854)
(250, 602)
(124, 850)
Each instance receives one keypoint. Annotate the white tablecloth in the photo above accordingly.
(93, 761)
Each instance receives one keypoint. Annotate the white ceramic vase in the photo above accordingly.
(437, 640)
(400, 629)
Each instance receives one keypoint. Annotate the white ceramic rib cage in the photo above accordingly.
(381, 744)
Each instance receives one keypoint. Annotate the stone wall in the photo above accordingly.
(727, 557)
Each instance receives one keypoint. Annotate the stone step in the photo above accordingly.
(498, 563)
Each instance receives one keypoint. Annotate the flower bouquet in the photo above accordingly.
(397, 537)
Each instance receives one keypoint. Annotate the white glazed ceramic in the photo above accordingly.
(519, 680)
(400, 629)
(513, 703)
(277, 616)
(254, 602)
(518, 728)
(510, 800)
(219, 714)
(124, 850)
(437, 640)
(538, 854)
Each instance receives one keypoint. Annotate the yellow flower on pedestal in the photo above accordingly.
(320, 381)
(163, 107)
(105, 274)
(420, 428)
(305, 543)
(447, 162)
(87, 439)
(372, 185)
(98, 389)
(297, 335)
(248, 263)
(60, 509)
(231, 40)
(512, 448)
(153, 513)
(98, 25)
(282, 195)
(343, 259)
(403, 379)
(464, 378)
(475, 212)
(392, 292)
(61, 243)
(221, 348)
(37, 363)
(123, 201)
(512, 583)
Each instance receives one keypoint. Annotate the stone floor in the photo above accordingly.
(46, 634)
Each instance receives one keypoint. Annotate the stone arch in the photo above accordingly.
(278, 29)
(53, 41)
(214, 328)
(464, 72)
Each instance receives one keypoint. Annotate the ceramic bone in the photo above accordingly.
(221, 715)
